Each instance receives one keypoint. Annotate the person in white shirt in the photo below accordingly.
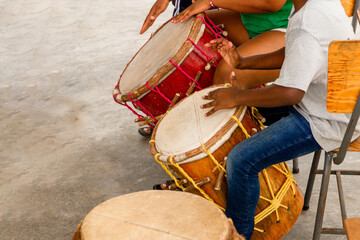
(302, 84)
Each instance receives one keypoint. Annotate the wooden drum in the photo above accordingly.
(160, 215)
(195, 148)
(170, 66)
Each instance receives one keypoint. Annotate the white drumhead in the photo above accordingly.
(160, 215)
(185, 128)
(155, 54)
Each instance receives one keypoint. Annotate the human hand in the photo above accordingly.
(227, 50)
(222, 98)
(158, 8)
(196, 7)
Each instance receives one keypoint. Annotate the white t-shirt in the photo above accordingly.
(308, 36)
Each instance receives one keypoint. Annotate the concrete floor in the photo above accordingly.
(65, 145)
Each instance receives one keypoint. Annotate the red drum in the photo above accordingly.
(171, 65)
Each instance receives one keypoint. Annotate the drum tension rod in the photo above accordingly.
(223, 32)
(220, 176)
(199, 184)
(174, 100)
(173, 186)
(147, 120)
(193, 84)
(137, 120)
(209, 65)
(259, 116)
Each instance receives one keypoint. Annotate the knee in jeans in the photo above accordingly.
(238, 164)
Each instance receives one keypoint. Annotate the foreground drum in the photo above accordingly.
(195, 149)
(160, 215)
(170, 66)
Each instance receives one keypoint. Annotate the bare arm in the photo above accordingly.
(158, 8)
(273, 60)
(228, 51)
(243, 6)
(254, 6)
(271, 96)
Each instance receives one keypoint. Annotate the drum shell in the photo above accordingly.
(177, 82)
(202, 168)
(205, 167)
(294, 202)
(168, 79)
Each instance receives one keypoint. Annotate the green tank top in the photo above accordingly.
(262, 22)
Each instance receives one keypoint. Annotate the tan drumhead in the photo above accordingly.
(185, 128)
(160, 215)
(164, 44)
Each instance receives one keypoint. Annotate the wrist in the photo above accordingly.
(238, 96)
(239, 62)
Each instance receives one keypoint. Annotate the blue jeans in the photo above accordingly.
(288, 138)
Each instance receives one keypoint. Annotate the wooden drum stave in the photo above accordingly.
(194, 148)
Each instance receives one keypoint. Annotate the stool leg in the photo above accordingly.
(310, 184)
(323, 194)
(296, 165)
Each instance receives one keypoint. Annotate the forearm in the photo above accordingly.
(254, 6)
(271, 96)
(273, 60)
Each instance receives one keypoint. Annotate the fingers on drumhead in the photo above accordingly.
(208, 105)
(211, 112)
(209, 96)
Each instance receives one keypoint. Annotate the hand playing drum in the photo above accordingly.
(158, 8)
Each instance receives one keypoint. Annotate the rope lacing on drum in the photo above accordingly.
(166, 168)
(156, 90)
(193, 182)
(241, 126)
(207, 151)
(275, 202)
(287, 174)
(205, 54)
(210, 28)
(130, 108)
(253, 109)
(217, 29)
(175, 164)
(187, 75)
(136, 101)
